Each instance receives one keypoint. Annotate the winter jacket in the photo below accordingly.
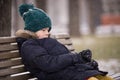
(47, 59)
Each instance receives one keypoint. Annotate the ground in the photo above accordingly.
(106, 50)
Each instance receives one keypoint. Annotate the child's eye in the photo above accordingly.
(43, 30)
(46, 29)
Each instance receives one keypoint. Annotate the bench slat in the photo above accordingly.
(9, 71)
(70, 47)
(7, 47)
(61, 36)
(65, 41)
(8, 63)
(20, 77)
(9, 54)
(7, 39)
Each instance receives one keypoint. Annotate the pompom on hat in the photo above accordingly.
(35, 19)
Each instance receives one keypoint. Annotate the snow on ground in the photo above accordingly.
(111, 65)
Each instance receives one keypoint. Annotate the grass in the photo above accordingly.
(102, 47)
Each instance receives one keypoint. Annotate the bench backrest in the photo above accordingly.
(11, 67)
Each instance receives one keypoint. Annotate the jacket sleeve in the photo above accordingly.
(20, 41)
(39, 56)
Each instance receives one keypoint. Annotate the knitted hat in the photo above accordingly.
(35, 19)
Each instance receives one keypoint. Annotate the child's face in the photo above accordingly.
(43, 33)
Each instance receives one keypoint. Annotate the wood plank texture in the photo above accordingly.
(9, 54)
(8, 63)
(10, 71)
(7, 39)
(20, 77)
(8, 47)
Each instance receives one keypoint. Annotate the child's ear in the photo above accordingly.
(25, 34)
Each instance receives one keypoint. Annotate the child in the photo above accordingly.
(46, 58)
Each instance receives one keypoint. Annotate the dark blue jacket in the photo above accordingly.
(47, 59)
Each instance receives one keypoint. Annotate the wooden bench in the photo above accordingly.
(11, 67)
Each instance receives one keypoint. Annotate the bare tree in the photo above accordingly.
(74, 17)
(5, 17)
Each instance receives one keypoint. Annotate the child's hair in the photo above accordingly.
(35, 19)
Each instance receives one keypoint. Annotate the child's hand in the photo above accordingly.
(86, 55)
(93, 63)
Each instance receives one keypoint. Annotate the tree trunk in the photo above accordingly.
(15, 20)
(5, 18)
(41, 4)
(95, 11)
(74, 18)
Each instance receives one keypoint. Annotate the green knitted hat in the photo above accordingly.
(35, 19)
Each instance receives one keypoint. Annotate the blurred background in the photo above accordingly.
(92, 24)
